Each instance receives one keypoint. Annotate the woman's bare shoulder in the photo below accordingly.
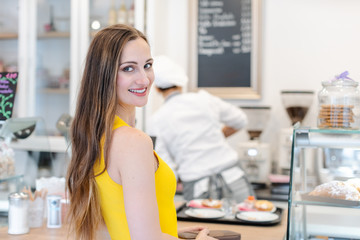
(128, 135)
(128, 141)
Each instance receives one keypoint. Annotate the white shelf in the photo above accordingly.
(9, 35)
(54, 35)
(5, 35)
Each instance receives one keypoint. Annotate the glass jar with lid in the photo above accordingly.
(339, 103)
(18, 213)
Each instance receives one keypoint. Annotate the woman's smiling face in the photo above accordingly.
(135, 75)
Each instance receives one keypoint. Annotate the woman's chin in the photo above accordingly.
(142, 104)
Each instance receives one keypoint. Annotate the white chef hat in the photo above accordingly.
(168, 73)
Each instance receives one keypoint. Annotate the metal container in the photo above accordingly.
(18, 213)
(54, 211)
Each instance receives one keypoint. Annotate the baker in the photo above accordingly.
(191, 130)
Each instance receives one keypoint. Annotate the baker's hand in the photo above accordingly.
(228, 131)
(203, 235)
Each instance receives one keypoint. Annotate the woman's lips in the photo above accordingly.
(138, 92)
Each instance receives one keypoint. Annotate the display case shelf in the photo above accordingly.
(327, 204)
(327, 138)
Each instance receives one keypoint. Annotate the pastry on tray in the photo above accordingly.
(264, 205)
(211, 203)
(204, 203)
(256, 205)
(346, 190)
(355, 182)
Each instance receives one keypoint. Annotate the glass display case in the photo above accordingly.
(324, 196)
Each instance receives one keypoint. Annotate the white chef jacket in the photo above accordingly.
(189, 137)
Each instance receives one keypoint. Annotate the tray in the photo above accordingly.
(328, 200)
(181, 216)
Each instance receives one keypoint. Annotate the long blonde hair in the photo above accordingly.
(93, 120)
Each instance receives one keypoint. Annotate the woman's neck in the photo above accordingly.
(128, 115)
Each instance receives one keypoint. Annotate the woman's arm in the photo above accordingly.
(132, 161)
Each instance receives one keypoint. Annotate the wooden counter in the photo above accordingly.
(276, 232)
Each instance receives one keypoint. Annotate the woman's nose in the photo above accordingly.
(143, 78)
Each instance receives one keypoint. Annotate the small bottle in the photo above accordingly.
(54, 211)
(18, 213)
(122, 13)
(112, 14)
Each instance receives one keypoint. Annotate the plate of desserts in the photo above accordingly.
(252, 205)
(205, 203)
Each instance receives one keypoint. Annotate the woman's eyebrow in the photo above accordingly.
(133, 62)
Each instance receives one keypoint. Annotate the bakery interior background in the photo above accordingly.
(303, 43)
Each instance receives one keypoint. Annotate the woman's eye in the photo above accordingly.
(128, 69)
(148, 65)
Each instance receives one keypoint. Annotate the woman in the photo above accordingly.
(114, 173)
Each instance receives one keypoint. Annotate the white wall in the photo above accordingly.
(304, 42)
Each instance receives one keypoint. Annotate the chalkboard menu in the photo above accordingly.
(8, 82)
(224, 43)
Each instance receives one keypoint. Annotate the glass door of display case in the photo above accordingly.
(35, 41)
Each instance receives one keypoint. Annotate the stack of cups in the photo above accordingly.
(36, 213)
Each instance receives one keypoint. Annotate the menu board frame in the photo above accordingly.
(253, 90)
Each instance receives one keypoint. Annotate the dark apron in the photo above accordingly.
(218, 188)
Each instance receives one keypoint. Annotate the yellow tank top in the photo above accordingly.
(112, 199)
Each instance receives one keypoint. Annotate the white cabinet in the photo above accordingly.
(43, 60)
(52, 73)
(47, 41)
